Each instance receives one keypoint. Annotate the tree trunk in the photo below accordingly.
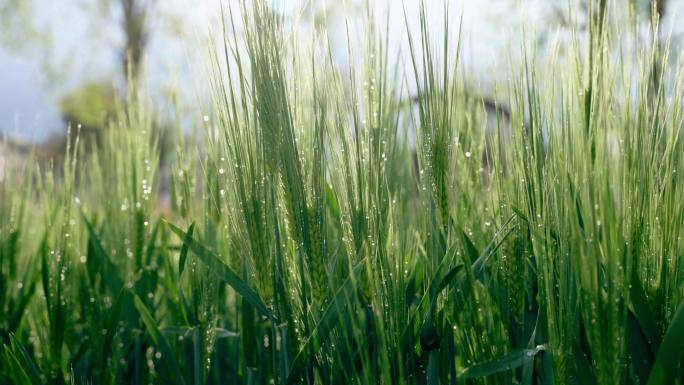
(136, 35)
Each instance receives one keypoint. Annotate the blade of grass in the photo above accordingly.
(670, 353)
(508, 362)
(168, 356)
(102, 260)
(223, 271)
(184, 249)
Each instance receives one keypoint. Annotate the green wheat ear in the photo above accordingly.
(316, 258)
(515, 273)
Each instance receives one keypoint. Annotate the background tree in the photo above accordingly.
(92, 102)
(135, 26)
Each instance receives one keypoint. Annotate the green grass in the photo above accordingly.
(306, 242)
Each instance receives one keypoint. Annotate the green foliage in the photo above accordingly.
(90, 105)
(89, 111)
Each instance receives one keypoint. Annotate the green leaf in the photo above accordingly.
(249, 335)
(223, 271)
(151, 326)
(184, 249)
(446, 280)
(429, 335)
(498, 239)
(641, 355)
(583, 369)
(520, 214)
(508, 362)
(45, 278)
(20, 363)
(111, 325)
(324, 326)
(332, 201)
(670, 354)
(528, 368)
(149, 253)
(12, 369)
(223, 333)
(102, 260)
(17, 312)
(642, 311)
(470, 248)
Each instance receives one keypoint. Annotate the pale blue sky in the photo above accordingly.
(85, 48)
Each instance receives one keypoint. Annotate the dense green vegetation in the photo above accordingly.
(307, 242)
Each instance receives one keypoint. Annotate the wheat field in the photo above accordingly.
(323, 227)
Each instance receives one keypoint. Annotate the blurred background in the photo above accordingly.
(67, 61)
